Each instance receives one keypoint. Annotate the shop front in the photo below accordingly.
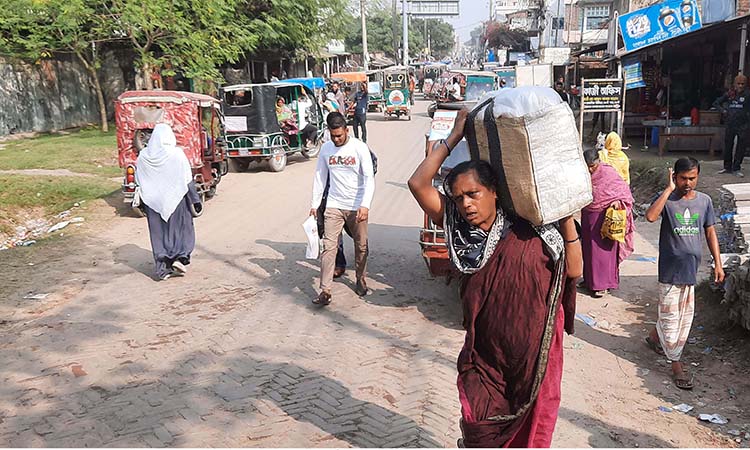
(671, 85)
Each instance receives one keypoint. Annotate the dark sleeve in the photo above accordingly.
(720, 101)
(710, 219)
(192, 194)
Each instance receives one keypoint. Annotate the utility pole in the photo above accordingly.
(365, 53)
(394, 26)
(406, 33)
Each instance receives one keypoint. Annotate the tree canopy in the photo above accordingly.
(194, 36)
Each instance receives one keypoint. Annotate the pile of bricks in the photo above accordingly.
(734, 239)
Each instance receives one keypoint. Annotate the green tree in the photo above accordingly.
(194, 36)
(33, 30)
(298, 25)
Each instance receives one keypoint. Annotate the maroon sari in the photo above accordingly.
(510, 368)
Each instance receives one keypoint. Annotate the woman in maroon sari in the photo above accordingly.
(602, 256)
(518, 295)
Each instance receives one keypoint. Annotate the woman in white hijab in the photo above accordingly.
(167, 193)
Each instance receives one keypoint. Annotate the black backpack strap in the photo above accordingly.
(470, 131)
(496, 161)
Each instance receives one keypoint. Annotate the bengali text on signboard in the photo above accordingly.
(602, 95)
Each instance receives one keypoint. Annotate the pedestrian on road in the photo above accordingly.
(560, 89)
(339, 97)
(168, 198)
(613, 155)
(736, 105)
(412, 85)
(361, 98)
(602, 256)
(518, 294)
(684, 213)
(347, 164)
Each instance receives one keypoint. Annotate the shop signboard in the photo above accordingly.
(658, 23)
(602, 94)
(633, 71)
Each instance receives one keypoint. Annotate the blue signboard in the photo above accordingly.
(633, 73)
(658, 23)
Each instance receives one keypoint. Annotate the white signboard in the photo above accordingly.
(557, 56)
(434, 7)
(234, 124)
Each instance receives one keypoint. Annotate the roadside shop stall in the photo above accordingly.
(671, 83)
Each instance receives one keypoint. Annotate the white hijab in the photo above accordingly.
(163, 172)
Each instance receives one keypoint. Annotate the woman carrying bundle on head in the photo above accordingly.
(518, 296)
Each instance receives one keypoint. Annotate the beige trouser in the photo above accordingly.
(334, 225)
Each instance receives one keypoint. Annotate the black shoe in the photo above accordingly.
(361, 288)
(338, 272)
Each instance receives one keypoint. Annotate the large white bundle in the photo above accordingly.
(529, 137)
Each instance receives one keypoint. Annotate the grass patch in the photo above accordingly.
(81, 151)
(51, 194)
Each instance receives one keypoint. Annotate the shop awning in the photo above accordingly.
(710, 28)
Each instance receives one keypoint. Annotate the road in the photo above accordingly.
(235, 355)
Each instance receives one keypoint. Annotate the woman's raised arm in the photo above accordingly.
(420, 183)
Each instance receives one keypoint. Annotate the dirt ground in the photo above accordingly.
(111, 357)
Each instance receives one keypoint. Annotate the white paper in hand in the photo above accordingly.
(313, 241)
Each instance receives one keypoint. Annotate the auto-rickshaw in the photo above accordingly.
(254, 131)
(396, 92)
(376, 101)
(349, 81)
(197, 122)
(431, 73)
(474, 85)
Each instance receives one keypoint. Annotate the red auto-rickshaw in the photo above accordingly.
(197, 123)
(431, 236)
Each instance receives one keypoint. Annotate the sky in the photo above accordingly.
(473, 13)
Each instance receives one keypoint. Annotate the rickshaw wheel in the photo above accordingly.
(277, 161)
(313, 151)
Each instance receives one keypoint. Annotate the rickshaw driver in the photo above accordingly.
(454, 92)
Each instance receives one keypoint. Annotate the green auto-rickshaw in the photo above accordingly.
(396, 92)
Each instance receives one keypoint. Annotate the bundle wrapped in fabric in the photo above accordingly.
(529, 136)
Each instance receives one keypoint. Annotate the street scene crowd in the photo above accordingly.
(525, 200)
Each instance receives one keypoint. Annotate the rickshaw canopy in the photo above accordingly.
(142, 110)
(258, 114)
(310, 83)
(350, 77)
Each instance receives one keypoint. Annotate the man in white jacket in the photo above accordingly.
(346, 162)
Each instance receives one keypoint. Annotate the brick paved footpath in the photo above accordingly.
(112, 358)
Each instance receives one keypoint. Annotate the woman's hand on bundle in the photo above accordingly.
(617, 204)
(458, 128)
